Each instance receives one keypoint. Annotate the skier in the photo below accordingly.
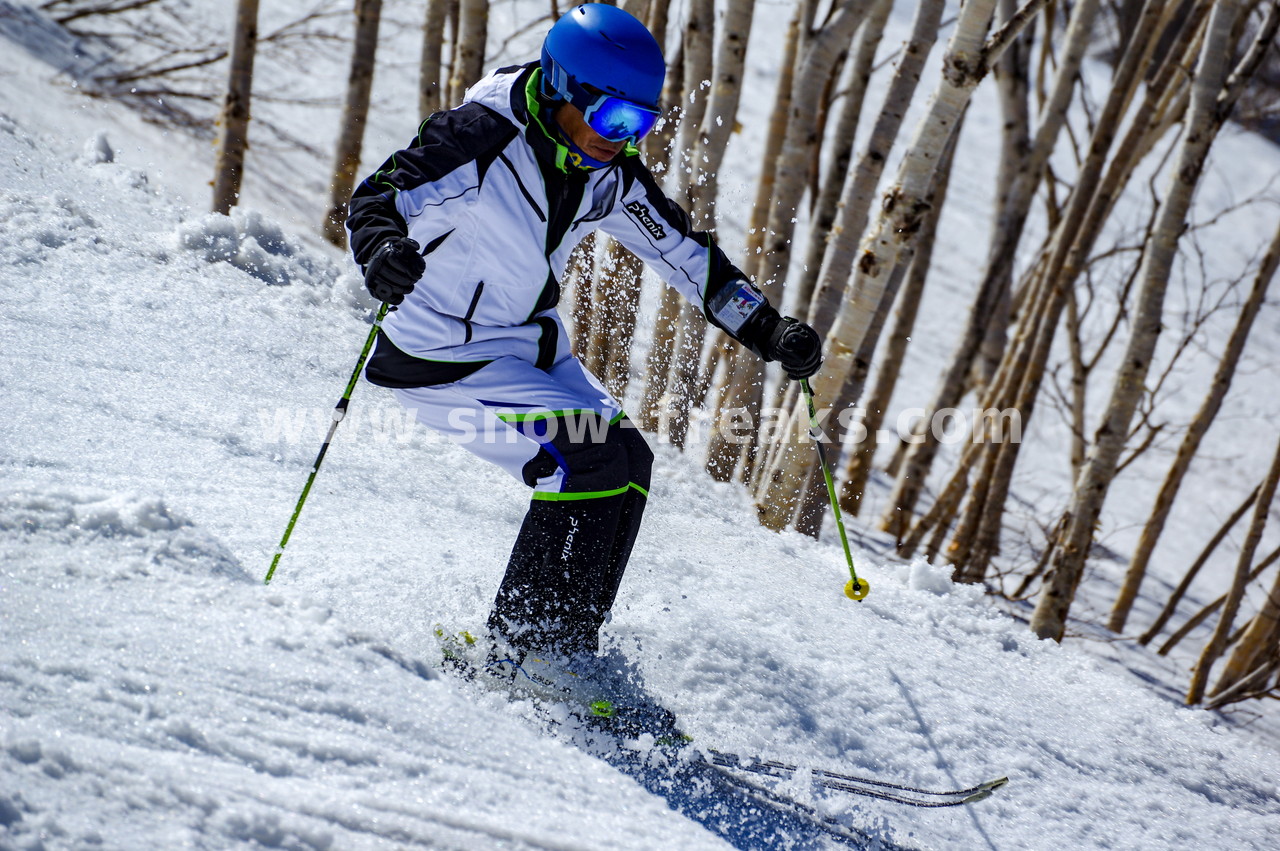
(489, 200)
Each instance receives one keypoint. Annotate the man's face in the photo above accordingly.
(569, 117)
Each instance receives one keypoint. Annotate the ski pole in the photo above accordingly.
(339, 411)
(855, 588)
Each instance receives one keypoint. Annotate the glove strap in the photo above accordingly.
(742, 310)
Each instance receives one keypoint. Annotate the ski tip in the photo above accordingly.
(985, 790)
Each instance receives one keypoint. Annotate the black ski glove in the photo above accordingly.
(393, 269)
(796, 346)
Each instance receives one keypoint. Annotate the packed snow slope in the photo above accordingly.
(166, 379)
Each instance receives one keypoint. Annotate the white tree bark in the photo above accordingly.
(1008, 233)
(818, 53)
(468, 61)
(346, 161)
(967, 60)
(701, 53)
(1257, 649)
(723, 454)
(1218, 641)
(828, 203)
(858, 468)
(712, 138)
(431, 86)
(1191, 441)
(977, 534)
(233, 123)
(860, 183)
(697, 62)
(1203, 122)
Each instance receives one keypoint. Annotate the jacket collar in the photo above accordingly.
(531, 108)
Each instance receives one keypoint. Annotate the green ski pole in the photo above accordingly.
(339, 411)
(855, 588)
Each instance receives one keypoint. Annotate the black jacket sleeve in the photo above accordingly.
(660, 232)
(445, 141)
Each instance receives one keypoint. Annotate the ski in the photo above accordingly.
(779, 802)
(536, 679)
(670, 767)
(858, 785)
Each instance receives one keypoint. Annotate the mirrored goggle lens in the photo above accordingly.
(618, 120)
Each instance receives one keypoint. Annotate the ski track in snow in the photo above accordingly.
(155, 695)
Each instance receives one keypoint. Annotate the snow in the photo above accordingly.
(167, 377)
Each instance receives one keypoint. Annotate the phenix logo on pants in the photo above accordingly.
(566, 553)
(642, 214)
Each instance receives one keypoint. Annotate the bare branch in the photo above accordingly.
(1005, 36)
(94, 11)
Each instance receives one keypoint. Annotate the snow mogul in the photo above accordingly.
(489, 199)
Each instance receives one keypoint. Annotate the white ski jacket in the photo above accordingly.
(497, 205)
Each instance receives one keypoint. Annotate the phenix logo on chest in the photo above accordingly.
(642, 214)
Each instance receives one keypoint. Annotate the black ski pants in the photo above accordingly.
(573, 546)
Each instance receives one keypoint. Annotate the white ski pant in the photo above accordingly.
(509, 410)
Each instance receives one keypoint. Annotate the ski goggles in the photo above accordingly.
(618, 120)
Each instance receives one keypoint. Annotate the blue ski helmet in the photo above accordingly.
(606, 63)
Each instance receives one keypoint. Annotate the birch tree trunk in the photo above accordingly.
(233, 122)
(977, 535)
(835, 232)
(1218, 643)
(431, 84)
(1204, 614)
(1012, 75)
(1256, 647)
(828, 201)
(618, 282)
(596, 344)
(703, 139)
(697, 53)
(948, 501)
(985, 520)
(1008, 231)
(615, 284)
(1171, 605)
(859, 188)
(1191, 441)
(816, 58)
(724, 453)
(722, 109)
(468, 60)
(832, 201)
(580, 281)
(858, 468)
(1203, 121)
(346, 161)
(657, 145)
(637, 8)
(613, 316)
(914, 260)
(967, 61)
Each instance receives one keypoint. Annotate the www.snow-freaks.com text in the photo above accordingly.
(391, 424)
